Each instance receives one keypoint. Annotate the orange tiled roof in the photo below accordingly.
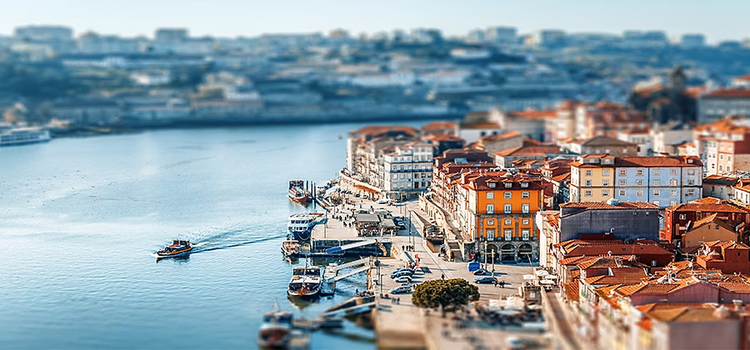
(436, 126)
(604, 205)
(499, 137)
(534, 114)
(529, 151)
(620, 275)
(730, 93)
(571, 290)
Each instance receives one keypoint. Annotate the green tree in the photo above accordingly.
(450, 294)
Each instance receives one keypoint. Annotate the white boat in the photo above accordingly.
(306, 282)
(20, 136)
(300, 226)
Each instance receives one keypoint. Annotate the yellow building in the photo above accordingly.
(592, 178)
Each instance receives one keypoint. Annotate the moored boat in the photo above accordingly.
(298, 192)
(306, 282)
(276, 330)
(22, 136)
(176, 249)
(300, 226)
(290, 248)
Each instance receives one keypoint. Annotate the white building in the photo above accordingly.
(445, 78)
(665, 138)
(742, 82)
(151, 78)
(44, 33)
(407, 168)
(384, 80)
(691, 41)
(502, 35)
(470, 54)
(721, 103)
(93, 43)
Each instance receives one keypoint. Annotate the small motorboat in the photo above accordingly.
(290, 248)
(176, 249)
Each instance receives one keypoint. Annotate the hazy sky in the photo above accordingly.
(719, 20)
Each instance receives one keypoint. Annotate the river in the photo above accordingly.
(81, 217)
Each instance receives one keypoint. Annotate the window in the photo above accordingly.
(683, 216)
(491, 184)
(587, 193)
(721, 156)
(639, 193)
(622, 182)
(525, 195)
(673, 172)
(525, 208)
(691, 182)
(525, 221)
(508, 234)
(605, 172)
(490, 222)
(508, 185)
(525, 234)
(623, 172)
(622, 193)
(524, 185)
(657, 193)
(507, 195)
(507, 208)
(690, 192)
(638, 172)
(508, 222)
(490, 208)
(490, 195)
(672, 203)
(605, 182)
(673, 193)
(588, 183)
(673, 182)
(657, 171)
(588, 172)
(691, 172)
(657, 182)
(605, 193)
(656, 203)
(490, 234)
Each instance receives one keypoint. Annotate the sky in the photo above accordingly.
(718, 20)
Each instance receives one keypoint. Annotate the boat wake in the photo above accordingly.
(230, 236)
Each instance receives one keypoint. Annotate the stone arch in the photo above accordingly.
(525, 252)
(507, 252)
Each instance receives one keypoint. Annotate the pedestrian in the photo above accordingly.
(495, 283)
(442, 276)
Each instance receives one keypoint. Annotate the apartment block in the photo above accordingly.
(663, 181)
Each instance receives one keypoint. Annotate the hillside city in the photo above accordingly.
(618, 163)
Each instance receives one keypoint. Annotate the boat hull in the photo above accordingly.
(301, 235)
(303, 199)
(275, 338)
(307, 296)
(174, 255)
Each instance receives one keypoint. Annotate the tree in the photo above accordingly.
(450, 294)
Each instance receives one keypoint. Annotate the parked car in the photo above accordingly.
(356, 195)
(401, 289)
(482, 272)
(403, 279)
(405, 269)
(485, 280)
(398, 274)
(517, 343)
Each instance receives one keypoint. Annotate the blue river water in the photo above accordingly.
(81, 217)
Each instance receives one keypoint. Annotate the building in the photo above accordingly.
(448, 170)
(721, 187)
(43, 33)
(724, 145)
(93, 43)
(504, 159)
(87, 111)
(708, 229)
(666, 137)
(742, 82)
(727, 256)
(718, 104)
(364, 160)
(476, 125)
(549, 38)
(641, 138)
(679, 218)
(599, 145)
(619, 220)
(499, 213)
(531, 123)
(171, 34)
(498, 142)
(407, 169)
(663, 181)
(692, 41)
(671, 102)
(502, 35)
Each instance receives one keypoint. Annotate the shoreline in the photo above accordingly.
(206, 124)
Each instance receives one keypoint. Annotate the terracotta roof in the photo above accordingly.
(499, 137)
(479, 125)
(529, 151)
(604, 205)
(726, 244)
(600, 262)
(736, 287)
(603, 141)
(620, 275)
(720, 208)
(533, 114)
(443, 137)
(676, 161)
(729, 93)
(743, 78)
(712, 220)
(435, 126)
(728, 125)
(571, 290)
(613, 247)
(646, 288)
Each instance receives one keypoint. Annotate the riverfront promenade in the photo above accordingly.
(405, 326)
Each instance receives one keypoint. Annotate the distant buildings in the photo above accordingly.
(724, 102)
(724, 145)
(692, 41)
(599, 145)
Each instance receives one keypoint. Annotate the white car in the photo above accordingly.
(403, 279)
(401, 289)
